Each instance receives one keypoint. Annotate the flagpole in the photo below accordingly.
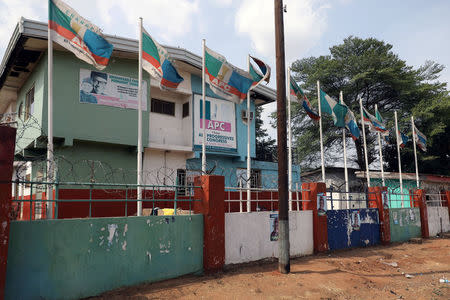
(290, 138)
(320, 132)
(204, 111)
(50, 159)
(341, 96)
(381, 152)
(248, 145)
(364, 138)
(139, 152)
(399, 160)
(415, 151)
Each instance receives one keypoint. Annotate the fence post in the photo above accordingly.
(7, 144)
(378, 198)
(447, 194)
(320, 226)
(419, 199)
(212, 205)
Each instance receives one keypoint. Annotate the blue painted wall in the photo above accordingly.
(241, 127)
(341, 235)
(226, 166)
(76, 258)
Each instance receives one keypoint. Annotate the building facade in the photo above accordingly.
(95, 130)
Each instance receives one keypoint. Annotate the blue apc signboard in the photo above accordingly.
(353, 228)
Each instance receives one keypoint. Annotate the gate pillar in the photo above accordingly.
(320, 226)
(419, 199)
(7, 144)
(378, 198)
(212, 205)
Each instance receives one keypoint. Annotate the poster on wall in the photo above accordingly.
(384, 195)
(111, 90)
(321, 207)
(220, 123)
(273, 227)
(356, 220)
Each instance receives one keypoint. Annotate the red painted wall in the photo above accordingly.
(212, 196)
(320, 226)
(7, 145)
(375, 194)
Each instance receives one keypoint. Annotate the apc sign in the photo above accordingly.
(220, 123)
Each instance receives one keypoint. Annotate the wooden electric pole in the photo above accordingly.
(284, 265)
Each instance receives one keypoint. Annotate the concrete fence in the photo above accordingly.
(252, 236)
(73, 258)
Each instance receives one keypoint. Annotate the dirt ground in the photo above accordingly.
(364, 273)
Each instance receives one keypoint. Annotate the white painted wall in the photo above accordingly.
(435, 216)
(247, 236)
(160, 167)
(168, 130)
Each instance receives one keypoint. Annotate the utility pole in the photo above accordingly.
(284, 265)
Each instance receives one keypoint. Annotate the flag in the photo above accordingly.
(421, 139)
(296, 93)
(336, 110)
(226, 80)
(380, 119)
(263, 74)
(156, 61)
(351, 124)
(374, 124)
(78, 35)
(403, 138)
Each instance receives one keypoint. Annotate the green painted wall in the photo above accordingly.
(31, 129)
(70, 259)
(393, 186)
(91, 122)
(405, 224)
(110, 163)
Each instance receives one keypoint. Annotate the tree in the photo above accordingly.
(368, 68)
(266, 148)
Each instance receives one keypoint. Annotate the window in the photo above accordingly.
(29, 103)
(185, 109)
(163, 107)
(20, 110)
(255, 178)
(185, 182)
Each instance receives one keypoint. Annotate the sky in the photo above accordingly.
(418, 30)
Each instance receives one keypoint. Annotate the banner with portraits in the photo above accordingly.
(111, 90)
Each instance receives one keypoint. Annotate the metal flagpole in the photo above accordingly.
(341, 96)
(204, 111)
(320, 131)
(290, 138)
(50, 159)
(381, 152)
(248, 144)
(139, 152)
(399, 160)
(415, 151)
(364, 138)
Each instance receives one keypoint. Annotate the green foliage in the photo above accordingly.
(368, 68)
(266, 149)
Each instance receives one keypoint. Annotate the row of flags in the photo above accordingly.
(343, 117)
(87, 42)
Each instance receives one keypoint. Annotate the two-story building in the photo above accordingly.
(95, 132)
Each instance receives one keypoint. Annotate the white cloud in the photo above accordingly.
(170, 19)
(223, 3)
(10, 13)
(167, 20)
(304, 22)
